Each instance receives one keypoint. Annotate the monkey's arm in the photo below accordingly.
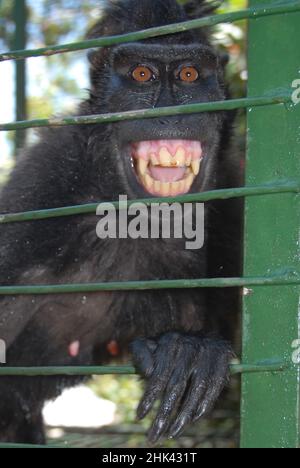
(48, 175)
(186, 373)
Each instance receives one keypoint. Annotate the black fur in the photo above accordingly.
(82, 164)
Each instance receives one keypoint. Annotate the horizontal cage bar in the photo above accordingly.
(287, 278)
(249, 13)
(274, 99)
(279, 187)
(267, 366)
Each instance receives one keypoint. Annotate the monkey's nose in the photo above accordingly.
(169, 122)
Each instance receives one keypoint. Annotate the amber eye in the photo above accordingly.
(189, 74)
(142, 74)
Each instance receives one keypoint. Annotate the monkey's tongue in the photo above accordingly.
(167, 174)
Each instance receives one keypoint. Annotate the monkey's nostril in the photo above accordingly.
(162, 122)
(169, 122)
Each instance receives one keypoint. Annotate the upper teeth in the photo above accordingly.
(154, 159)
(165, 161)
(165, 158)
(196, 167)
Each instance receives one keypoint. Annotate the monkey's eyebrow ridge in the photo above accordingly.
(163, 53)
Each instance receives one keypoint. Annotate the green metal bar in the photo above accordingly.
(260, 368)
(28, 446)
(20, 16)
(279, 187)
(263, 367)
(270, 403)
(277, 97)
(69, 371)
(250, 13)
(285, 279)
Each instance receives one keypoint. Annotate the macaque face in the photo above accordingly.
(165, 156)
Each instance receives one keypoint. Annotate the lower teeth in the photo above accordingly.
(167, 188)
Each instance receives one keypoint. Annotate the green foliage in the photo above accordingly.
(6, 24)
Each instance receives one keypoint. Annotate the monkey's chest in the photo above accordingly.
(60, 330)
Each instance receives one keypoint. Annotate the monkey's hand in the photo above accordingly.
(186, 373)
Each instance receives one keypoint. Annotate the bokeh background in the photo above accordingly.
(55, 86)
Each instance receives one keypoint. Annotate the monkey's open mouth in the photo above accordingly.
(167, 168)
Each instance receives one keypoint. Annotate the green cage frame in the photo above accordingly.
(271, 326)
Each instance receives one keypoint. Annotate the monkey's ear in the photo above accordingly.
(112, 20)
(198, 8)
(110, 24)
(95, 57)
(91, 55)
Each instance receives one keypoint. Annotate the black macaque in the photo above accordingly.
(179, 339)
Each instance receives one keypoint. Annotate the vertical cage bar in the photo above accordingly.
(270, 402)
(20, 18)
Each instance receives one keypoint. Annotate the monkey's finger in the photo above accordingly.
(217, 384)
(191, 403)
(174, 394)
(153, 391)
(204, 391)
(143, 355)
(165, 360)
(210, 398)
